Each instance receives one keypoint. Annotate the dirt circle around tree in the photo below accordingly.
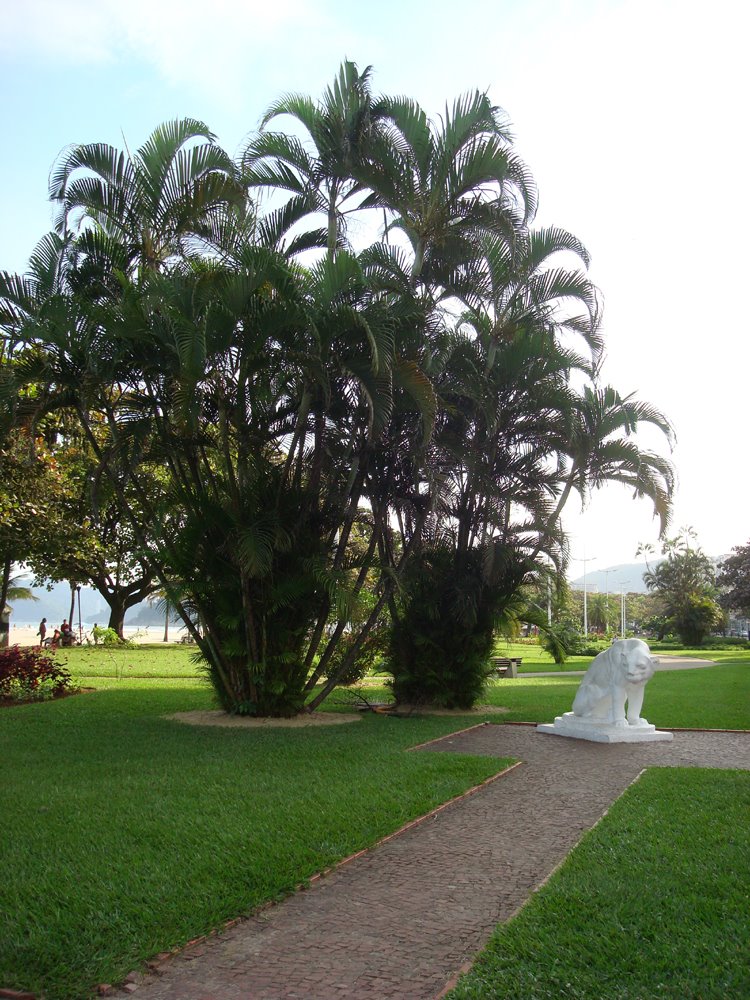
(217, 717)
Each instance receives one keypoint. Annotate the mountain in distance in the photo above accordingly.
(54, 605)
(627, 577)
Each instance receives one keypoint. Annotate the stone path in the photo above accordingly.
(665, 662)
(401, 920)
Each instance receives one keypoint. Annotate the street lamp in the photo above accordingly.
(623, 617)
(606, 601)
(584, 560)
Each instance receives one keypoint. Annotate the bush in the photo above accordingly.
(560, 640)
(32, 675)
(448, 608)
(108, 637)
(725, 642)
(563, 639)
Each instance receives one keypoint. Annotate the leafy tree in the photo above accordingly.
(734, 580)
(33, 526)
(685, 582)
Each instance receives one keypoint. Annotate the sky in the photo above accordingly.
(631, 114)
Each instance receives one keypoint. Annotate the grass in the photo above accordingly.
(711, 698)
(125, 834)
(652, 904)
(536, 660)
(132, 662)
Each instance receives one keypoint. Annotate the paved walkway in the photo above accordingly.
(401, 920)
(666, 662)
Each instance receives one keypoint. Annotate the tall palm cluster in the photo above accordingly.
(337, 382)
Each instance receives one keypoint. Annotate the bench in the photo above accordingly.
(505, 666)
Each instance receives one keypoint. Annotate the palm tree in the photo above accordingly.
(600, 448)
(445, 187)
(139, 211)
(321, 177)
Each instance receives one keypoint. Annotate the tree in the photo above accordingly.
(322, 178)
(33, 526)
(139, 212)
(685, 584)
(445, 187)
(601, 448)
(734, 580)
(329, 436)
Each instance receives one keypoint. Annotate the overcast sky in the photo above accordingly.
(632, 116)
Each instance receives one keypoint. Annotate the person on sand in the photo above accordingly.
(67, 633)
(42, 631)
(55, 640)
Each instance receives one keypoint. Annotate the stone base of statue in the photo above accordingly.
(587, 728)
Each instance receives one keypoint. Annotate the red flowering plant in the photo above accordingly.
(32, 675)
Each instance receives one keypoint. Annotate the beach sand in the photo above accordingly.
(25, 635)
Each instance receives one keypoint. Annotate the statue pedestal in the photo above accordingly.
(586, 728)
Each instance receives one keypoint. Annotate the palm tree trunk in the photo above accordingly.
(166, 623)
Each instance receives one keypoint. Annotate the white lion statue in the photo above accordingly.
(617, 675)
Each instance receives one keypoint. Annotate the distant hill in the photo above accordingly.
(54, 605)
(626, 576)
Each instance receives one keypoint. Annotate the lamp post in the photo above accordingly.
(606, 600)
(585, 560)
(80, 630)
(585, 598)
(623, 617)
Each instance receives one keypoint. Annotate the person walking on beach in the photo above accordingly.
(42, 631)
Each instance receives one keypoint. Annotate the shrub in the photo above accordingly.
(108, 637)
(448, 608)
(560, 640)
(32, 675)
(725, 642)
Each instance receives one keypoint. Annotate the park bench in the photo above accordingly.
(505, 666)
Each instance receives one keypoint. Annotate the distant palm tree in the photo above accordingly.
(18, 591)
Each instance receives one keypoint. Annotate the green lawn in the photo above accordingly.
(125, 834)
(707, 698)
(652, 904)
(535, 659)
(133, 662)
